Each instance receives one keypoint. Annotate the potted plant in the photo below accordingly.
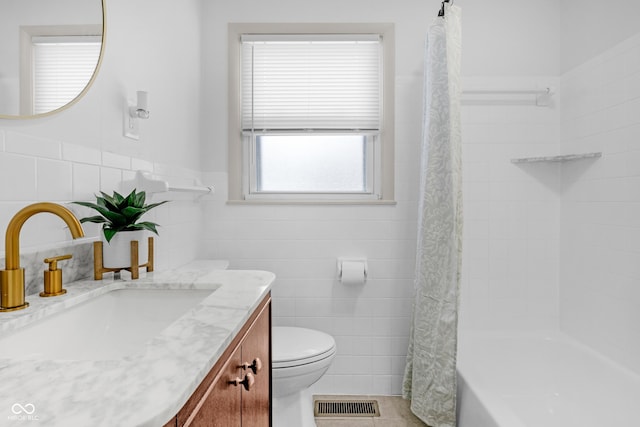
(119, 216)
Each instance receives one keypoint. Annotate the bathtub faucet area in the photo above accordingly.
(12, 283)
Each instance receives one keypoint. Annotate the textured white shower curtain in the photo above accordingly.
(430, 374)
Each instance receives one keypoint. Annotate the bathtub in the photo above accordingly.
(541, 379)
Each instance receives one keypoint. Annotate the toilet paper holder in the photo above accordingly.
(359, 260)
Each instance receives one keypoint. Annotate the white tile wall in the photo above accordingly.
(600, 254)
(511, 229)
(511, 244)
(301, 244)
(66, 172)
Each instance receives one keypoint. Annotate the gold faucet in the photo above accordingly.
(12, 277)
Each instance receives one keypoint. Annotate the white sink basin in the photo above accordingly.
(109, 326)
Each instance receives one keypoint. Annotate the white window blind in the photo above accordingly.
(62, 66)
(307, 82)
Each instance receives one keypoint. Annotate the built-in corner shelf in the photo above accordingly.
(557, 159)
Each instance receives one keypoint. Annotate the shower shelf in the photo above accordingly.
(557, 159)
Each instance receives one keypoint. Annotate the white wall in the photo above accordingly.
(591, 27)
(301, 243)
(510, 38)
(600, 246)
(73, 154)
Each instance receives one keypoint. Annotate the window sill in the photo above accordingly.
(313, 202)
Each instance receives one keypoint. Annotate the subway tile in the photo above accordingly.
(54, 180)
(29, 145)
(110, 180)
(114, 160)
(17, 177)
(80, 154)
(141, 164)
(86, 181)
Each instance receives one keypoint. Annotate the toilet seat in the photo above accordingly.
(292, 346)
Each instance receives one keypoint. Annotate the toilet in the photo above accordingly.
(300, 357)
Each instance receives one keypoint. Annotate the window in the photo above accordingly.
(314, 112)
(62, 66)
(58, 63)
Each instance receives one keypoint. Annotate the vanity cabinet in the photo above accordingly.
(237, 390)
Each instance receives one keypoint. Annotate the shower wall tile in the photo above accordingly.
(599, 225)
(511, 212)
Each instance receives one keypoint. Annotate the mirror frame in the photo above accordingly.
(86, 88)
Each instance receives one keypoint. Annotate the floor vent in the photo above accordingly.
(346, 408)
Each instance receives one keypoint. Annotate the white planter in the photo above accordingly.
(117, 253)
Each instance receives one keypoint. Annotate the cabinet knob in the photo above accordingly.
(256, 366)
(247, 382)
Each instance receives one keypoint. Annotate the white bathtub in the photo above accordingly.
(541, 379)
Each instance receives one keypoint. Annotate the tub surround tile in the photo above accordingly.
(145, 389)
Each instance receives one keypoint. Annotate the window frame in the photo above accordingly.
(240, 149)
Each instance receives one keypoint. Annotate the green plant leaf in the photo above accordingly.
(119, 213)
(88, 204)
(107, 201)
(147, 225)
(114, 217)
(109, 233)
(153, 205)
(140, 199)
(95, 219)
(118, 198)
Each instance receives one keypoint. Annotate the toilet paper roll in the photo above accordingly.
(353, 272)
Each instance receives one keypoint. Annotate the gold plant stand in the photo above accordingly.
(98, 265)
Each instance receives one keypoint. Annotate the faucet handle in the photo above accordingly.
(53, 277)
(53, 261)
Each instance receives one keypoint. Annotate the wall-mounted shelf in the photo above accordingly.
(144, 182)
(557, 159)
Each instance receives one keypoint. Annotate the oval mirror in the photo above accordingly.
(50, 52)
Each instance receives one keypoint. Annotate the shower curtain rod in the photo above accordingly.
(441, 12)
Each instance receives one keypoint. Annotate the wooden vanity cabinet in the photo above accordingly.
(222, 399)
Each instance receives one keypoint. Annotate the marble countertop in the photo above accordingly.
(145, 389)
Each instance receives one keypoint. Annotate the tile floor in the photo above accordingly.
(394, 412)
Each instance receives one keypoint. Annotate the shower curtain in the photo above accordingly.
(430, 373)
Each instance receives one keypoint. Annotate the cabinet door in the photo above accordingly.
(221, 405)
(256, 350)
